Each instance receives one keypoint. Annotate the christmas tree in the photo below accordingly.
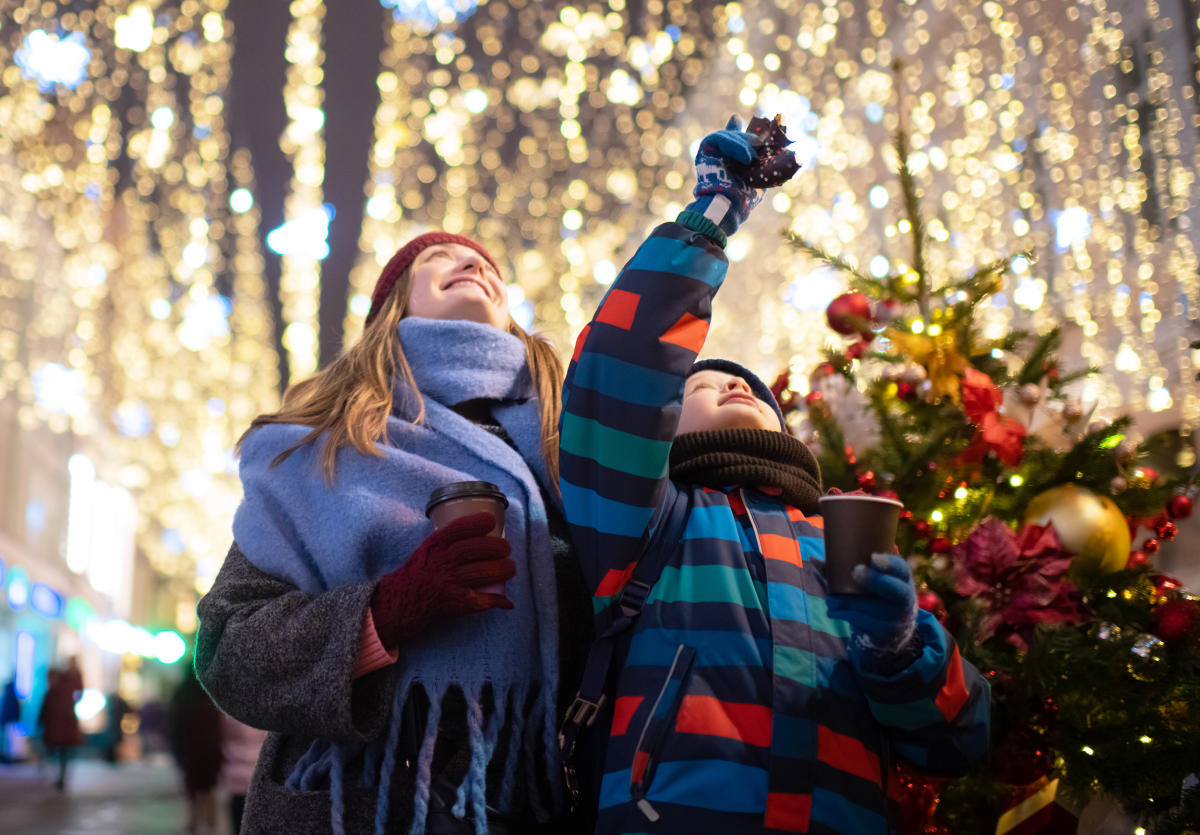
(1021, 513)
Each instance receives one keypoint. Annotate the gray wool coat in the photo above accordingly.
(303, 647)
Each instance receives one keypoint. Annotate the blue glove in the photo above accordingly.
(721, 195)
(884, 617)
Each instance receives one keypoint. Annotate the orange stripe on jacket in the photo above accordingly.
(619, 309)
(733, 720)
(848, 754)
(688, 332)
(614, 580)
(623, 710)
(736, 504)
(783, 548)
(579, 343)
(788, 811)
(954, 693)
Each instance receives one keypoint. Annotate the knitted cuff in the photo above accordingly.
(699, 223)
(720, 210)
(890, 659)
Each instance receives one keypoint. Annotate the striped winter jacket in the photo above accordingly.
(737, 708)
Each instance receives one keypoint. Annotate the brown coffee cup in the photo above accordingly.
(465, 498)
(856, 526)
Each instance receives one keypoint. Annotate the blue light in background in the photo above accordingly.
(54, 59)
(1071, 226)
(24, 664)
(306, 236)
(18, 588)
(45, 600)
(35, 517)
(429, 13)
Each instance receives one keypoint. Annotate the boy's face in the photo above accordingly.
(716, 400)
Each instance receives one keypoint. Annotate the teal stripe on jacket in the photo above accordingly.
(628, 453)
(678, 256)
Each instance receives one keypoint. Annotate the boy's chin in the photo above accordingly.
(747, 422)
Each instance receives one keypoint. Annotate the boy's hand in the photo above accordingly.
(721, 195)
(884, 616)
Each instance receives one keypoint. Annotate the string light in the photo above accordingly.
(1066, 135)
(128, 313)
(557, 136)
(301, 241)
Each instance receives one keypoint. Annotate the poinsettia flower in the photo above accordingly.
(981, 400)
(1021, 579)
(980, 396)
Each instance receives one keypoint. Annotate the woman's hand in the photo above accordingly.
(442, 579)
(884, 616)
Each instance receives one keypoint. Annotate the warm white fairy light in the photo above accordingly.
(303, 143)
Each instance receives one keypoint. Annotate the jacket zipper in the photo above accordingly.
(678, 672)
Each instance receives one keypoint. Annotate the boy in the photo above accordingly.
(747, 698)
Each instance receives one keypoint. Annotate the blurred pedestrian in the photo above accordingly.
(194, 733)
(60, 725)
(152, 726)
(114, 732)
(240, 745)
(10, 714)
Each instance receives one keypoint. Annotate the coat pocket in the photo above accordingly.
(657, 728)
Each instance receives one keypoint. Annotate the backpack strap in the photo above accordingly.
(590, 701)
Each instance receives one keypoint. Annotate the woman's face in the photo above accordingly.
(453, 281)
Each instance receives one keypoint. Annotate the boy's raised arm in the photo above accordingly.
(622, 396)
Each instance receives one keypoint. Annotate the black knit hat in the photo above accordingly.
(756, 385)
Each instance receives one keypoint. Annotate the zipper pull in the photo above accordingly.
(648, 810)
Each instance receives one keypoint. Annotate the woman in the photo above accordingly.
(399, 695)
(60, 726)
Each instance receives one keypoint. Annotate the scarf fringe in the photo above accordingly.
(532, 727)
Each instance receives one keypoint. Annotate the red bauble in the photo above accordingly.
(931, 602)
(849, 313)
(922, 528)
(1136, 560)
(1166, 530)
(885, 493)
(866, 480)
(1180, 507)
(825, 369)
(813, 396)
(856, 350)
(906, 514)
(1150, 546)
(1175, 619)
(941, 545)
(1164, 583)
(906, 392)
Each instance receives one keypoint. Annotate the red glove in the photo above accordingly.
(441, 580)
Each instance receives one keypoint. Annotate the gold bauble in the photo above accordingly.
(1088, 525)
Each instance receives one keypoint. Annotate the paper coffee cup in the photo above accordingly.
(856, 526)
(466, 498)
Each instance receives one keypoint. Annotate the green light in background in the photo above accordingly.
(169, 646)
(78, 613)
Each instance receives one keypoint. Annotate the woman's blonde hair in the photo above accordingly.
(350, 399)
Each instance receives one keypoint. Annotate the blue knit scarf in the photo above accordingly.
(294, 525)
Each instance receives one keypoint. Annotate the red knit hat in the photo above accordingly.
(408, 253)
